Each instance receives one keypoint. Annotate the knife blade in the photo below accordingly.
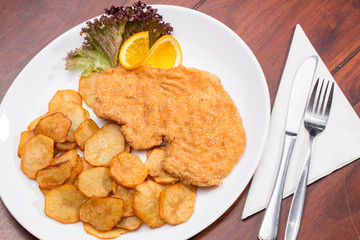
(299, 94)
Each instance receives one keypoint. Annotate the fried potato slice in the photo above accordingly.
(55, 126)
(75, 171)
(177, 204)
(34, 122)
(128, 169)
(85, 164)
(162, 147)
(95, 182)
(153, 163)
(191, 187)
(63, 203)
(65, 146)
(110, 234)
(63, 96)
(129, 223)
(127, 147)
(126, 194)
(54, 175)
(148, 152)
(146, 203)
(24, 137)
(76, 113)
(80, 165)
(102, 213)
(45, 190)
(105, 144)
(70, 155)
(36, 154)
(87, 88)
(86, 129)
(114, 187)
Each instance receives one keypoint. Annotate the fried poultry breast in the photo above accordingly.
(185, 107)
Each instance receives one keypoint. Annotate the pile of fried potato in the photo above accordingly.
(109, 189)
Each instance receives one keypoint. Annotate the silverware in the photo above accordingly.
(299, 95)
(315, 121)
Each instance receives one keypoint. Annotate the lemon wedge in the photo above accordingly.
(165, 53)
(134, 50)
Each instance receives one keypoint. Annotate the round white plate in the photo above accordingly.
(207, 44)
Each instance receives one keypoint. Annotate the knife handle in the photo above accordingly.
(269, 226)
(297, 204)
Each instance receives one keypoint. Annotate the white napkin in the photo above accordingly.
(337, 146)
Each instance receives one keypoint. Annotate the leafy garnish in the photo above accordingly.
(104, 36)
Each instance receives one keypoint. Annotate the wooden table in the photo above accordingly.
(333, 204)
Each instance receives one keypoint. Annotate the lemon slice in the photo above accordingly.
(165, 53)
(134, 50)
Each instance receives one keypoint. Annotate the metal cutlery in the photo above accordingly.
(299, 95)
(315, 121)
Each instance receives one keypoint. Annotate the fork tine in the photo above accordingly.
(310, 106)
(324, 98)
(329, 102)
(317, 104)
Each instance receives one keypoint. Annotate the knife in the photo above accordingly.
(298, 98)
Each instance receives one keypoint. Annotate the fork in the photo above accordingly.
(315, 121)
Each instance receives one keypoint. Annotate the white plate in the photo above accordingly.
(207, 44)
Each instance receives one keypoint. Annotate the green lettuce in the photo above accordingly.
(104, 36)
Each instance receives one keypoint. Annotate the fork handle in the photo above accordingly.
(270, 223)
(297, 204)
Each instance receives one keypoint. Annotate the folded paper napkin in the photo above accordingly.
(337, 146)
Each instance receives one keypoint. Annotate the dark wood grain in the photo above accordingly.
(348, 79)
(333, 204)
(333, 27)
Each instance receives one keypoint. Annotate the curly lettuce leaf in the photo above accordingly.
(104, 36)
(100, 49)
(141, 17)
